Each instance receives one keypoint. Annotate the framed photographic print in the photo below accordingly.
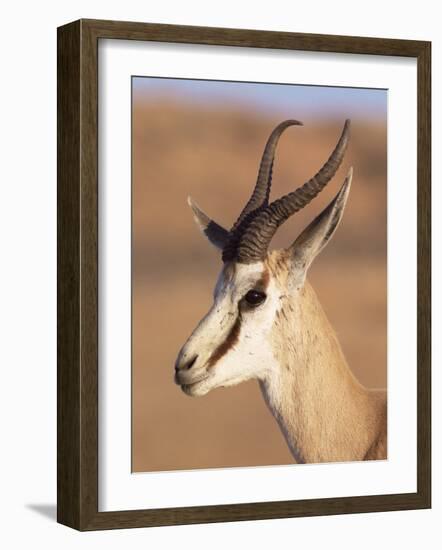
(243, 275)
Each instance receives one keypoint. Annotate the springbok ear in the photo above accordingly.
(314, 238)
(216, 234)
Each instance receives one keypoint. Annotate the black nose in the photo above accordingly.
(186, 365)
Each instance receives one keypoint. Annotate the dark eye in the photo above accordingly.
(254, 297)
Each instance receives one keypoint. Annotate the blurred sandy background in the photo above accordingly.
(193, 138)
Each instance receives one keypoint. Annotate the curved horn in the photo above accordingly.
(255, 238)
(261, 192)
(216, 234)
(260, 195)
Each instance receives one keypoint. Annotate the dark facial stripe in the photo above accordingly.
(228, 343)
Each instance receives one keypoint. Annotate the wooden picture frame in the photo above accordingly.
(77, 461)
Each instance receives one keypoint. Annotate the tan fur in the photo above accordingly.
(325, 414)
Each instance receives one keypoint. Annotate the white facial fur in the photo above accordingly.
(228, 354)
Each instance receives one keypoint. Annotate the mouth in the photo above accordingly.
(191, 388)
(189, 378)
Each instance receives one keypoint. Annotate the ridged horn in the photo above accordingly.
(253, 242)
(261, 192)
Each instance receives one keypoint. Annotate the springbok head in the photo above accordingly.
(233, 341)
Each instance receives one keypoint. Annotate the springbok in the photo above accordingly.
(266, 323)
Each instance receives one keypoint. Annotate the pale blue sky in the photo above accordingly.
(284, 99)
